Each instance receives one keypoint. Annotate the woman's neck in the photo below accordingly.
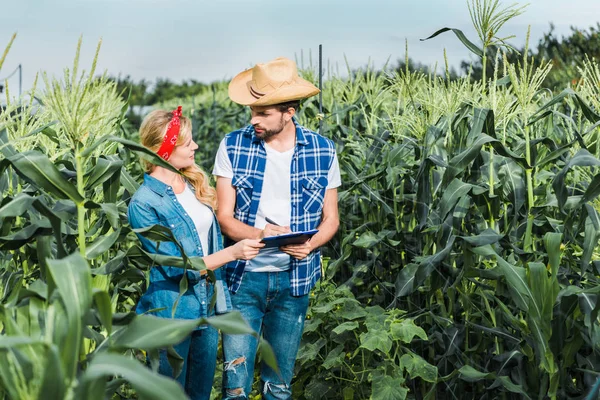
(170, 178)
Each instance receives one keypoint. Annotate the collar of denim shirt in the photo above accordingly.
(159, 187)
(155, 185)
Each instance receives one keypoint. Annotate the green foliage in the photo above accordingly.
(362, 350)
(71, 269)
(466, 264)
(488, 19)
(6, 50)
(566, 53)
(457, 270)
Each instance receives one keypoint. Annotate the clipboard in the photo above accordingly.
(288, 238)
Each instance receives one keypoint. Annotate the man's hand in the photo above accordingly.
(274, 230)
(298, 251)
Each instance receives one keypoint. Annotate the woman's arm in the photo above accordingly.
(243, 250)
(218, 259)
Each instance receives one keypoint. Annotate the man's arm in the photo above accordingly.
(330, 222)
(231, 227)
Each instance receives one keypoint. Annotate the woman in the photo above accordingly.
(184, 203)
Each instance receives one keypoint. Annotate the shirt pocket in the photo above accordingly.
(179, 230)
(313, 193)
(243, 192)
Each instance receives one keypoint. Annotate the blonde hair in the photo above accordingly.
(152, 133)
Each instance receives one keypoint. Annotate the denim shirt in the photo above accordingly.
(155, 203)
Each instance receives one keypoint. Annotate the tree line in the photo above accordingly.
(566, 52)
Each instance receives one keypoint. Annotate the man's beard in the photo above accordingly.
(268, 133)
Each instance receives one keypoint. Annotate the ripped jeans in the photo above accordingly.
(266, 303)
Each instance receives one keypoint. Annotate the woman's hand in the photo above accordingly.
(246, 249)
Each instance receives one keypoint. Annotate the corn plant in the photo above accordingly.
(467, 261)
(416, 246)
(71, 268)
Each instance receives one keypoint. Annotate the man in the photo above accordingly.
(278, 170)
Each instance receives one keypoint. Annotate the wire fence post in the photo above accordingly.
(321, 116)
(19, 69)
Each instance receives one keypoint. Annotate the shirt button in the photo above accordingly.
(203, 302)
(172, 226)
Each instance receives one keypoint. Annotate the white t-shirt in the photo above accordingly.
(275, 200)
(200, 214)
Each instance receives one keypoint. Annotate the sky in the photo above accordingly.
(214, 40)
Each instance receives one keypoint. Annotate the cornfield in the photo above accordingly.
(466, 265)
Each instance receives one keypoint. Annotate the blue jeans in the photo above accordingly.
(266, 303)
(199, 353)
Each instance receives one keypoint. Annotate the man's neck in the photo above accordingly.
(284, 140)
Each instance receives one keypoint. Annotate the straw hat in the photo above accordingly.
(274, 82)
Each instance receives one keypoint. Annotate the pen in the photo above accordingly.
(269, 220)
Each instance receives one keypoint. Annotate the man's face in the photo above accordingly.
(268, 121)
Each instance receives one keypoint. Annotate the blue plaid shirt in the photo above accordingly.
(312, 159)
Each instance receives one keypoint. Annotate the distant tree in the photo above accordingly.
(145, 93)
(138, 89)
(165, 89)
(417, 66)
(566, 53)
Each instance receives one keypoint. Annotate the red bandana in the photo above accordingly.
(170, 140)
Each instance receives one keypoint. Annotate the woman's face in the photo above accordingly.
(183, 154)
